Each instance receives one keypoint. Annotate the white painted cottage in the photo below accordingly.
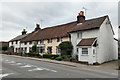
(93, 40)
(16, 42)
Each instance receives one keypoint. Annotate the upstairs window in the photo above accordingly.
(49, 40)
(25, 43)
(16, 42)
(84, 50)
(12, 42)
(30, 42)
(59, 39)
(79, 35)
(41, 41)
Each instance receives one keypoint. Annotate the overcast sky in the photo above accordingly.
(19, 15)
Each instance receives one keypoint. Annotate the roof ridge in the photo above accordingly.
(97, 18)
(59, 25)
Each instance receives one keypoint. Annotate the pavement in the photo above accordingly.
(108, 67)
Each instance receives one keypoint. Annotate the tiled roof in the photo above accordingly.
(3, 43)
(89, 24)
(62, 30)
(51, 32)
(20, 37)
(86, 42)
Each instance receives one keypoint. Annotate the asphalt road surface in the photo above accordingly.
(13, 67)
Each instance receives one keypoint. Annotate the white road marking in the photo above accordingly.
(12, 62)
(27, 66)
(4, 75)
(41, 69)
(50, 70)
(7, 60)
(18, 63)
(36, 69)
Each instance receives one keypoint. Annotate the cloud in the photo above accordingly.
(19, 15)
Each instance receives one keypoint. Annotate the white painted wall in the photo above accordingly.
(119, 34)
(15, 45)
(85, 34)
(106, 49)
(86, 57)
(27, 46)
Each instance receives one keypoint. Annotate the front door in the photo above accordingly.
(49, 50)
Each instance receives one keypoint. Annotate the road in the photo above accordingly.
(13, 67)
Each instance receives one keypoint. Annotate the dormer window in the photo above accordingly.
(49, 40)
(79, 35)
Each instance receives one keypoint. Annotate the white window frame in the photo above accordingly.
(84, 51)
(79, 35)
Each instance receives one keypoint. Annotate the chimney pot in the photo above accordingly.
(37, 27)
(80, 17)
(24, 32)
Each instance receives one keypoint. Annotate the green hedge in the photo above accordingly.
(66, 56)
(52, 56)
(59, 58)
(118, 57)
(33, 55)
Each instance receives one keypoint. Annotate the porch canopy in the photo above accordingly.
(87, 42)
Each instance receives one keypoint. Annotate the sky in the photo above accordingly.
(17, 15)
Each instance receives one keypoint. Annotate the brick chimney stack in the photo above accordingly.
(80, 17)
(24, 32)
(37, 27)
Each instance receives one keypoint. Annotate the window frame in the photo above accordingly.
(16, 42)
(49, 40)
(30, 42)
(41, 41)
(79, 35)
(59, 39)
(84, 51)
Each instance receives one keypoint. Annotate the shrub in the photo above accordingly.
(66, 56)
(59, 58)
(34, 48)
(118, 57)
(50, 55)
(26, 55)
(4, 48)
(66, 48)
(33, 54)
(71, 59)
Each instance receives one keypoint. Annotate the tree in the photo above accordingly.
(66, 48)
(4, 48)
(34, 47)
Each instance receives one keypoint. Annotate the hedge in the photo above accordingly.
(118, 57)
(66, 56)
(53, 56)
(59, 58)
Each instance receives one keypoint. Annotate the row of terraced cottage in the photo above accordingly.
(92, 39)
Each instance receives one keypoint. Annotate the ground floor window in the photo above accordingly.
(84, 50)
(41, 49)
(49, 49)
(25, 49)
(57, 50)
